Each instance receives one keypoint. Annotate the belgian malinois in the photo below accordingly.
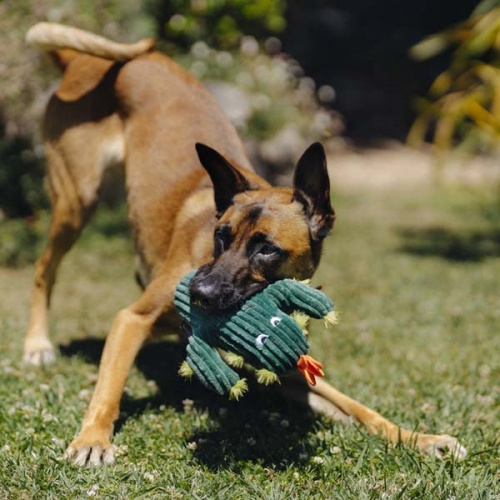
(194, 202)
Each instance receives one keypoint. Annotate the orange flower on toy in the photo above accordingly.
(310, 368)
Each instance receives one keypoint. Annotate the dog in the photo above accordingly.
(194, 203)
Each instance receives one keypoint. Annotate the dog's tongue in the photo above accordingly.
(310, 368)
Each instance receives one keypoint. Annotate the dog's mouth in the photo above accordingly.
(221, 298)
(223, 305)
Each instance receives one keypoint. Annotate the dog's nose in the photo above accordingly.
(204, 295)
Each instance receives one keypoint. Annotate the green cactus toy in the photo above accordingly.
(265, 333)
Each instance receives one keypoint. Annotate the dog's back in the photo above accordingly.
(130, 105)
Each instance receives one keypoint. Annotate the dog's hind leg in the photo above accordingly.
(324, 398)
(69, 214)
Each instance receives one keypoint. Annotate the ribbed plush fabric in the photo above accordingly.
(261, 332)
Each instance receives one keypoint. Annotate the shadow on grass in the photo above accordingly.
(262, 427)
(467, 245)
(89, 349)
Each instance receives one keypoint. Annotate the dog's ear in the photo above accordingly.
(227, 180)
(312, 189)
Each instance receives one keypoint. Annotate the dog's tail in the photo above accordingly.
(55, 38)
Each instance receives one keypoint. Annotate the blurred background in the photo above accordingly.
(354, 74)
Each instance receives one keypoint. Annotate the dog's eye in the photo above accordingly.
(222, 241)
(218, 245)
(268, 250)
(275, 321)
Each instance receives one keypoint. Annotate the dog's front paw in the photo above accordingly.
(441, 446)
(100, 452)
(39, 354)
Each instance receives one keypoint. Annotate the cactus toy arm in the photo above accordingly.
(206, 363)
(292, 295)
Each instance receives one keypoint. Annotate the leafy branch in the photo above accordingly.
(462, 109)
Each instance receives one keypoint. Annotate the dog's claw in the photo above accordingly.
(108, 457)
(93, 456)
(40, 357)
(81, 456)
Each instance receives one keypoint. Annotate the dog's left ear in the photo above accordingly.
(312, 189)
(227, 180)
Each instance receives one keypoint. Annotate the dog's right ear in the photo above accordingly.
(227, 180)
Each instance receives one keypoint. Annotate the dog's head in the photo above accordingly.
(262, 234)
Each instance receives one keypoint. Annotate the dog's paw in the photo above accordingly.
(40, 356)
(441, 446)
(95, 455)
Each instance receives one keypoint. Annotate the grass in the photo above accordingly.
(418, 340)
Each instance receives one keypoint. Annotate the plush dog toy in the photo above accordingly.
(261, 333)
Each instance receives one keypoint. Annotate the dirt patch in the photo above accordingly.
(401, 167)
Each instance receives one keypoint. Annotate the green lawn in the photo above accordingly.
(415, 277)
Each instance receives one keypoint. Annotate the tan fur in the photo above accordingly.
(146, 115)
(52, 36)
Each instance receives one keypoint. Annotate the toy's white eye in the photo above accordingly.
(259, 341)
(275, 321)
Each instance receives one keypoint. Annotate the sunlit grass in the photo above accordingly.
(417, 340)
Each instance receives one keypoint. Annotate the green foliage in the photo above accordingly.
(276, 91)
(20, 242)
(221, 23)
(227, 40)
(463, 107)
(21, 173)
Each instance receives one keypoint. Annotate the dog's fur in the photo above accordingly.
(129, 105)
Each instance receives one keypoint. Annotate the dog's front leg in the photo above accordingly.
(132, 326)
(324, 398)
(432, 444)
(93, 444)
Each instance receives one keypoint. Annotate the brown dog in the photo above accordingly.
(128, 105)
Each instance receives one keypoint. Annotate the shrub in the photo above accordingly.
(275, 92)
(21, 173)
(463, 106)
(219, 23)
